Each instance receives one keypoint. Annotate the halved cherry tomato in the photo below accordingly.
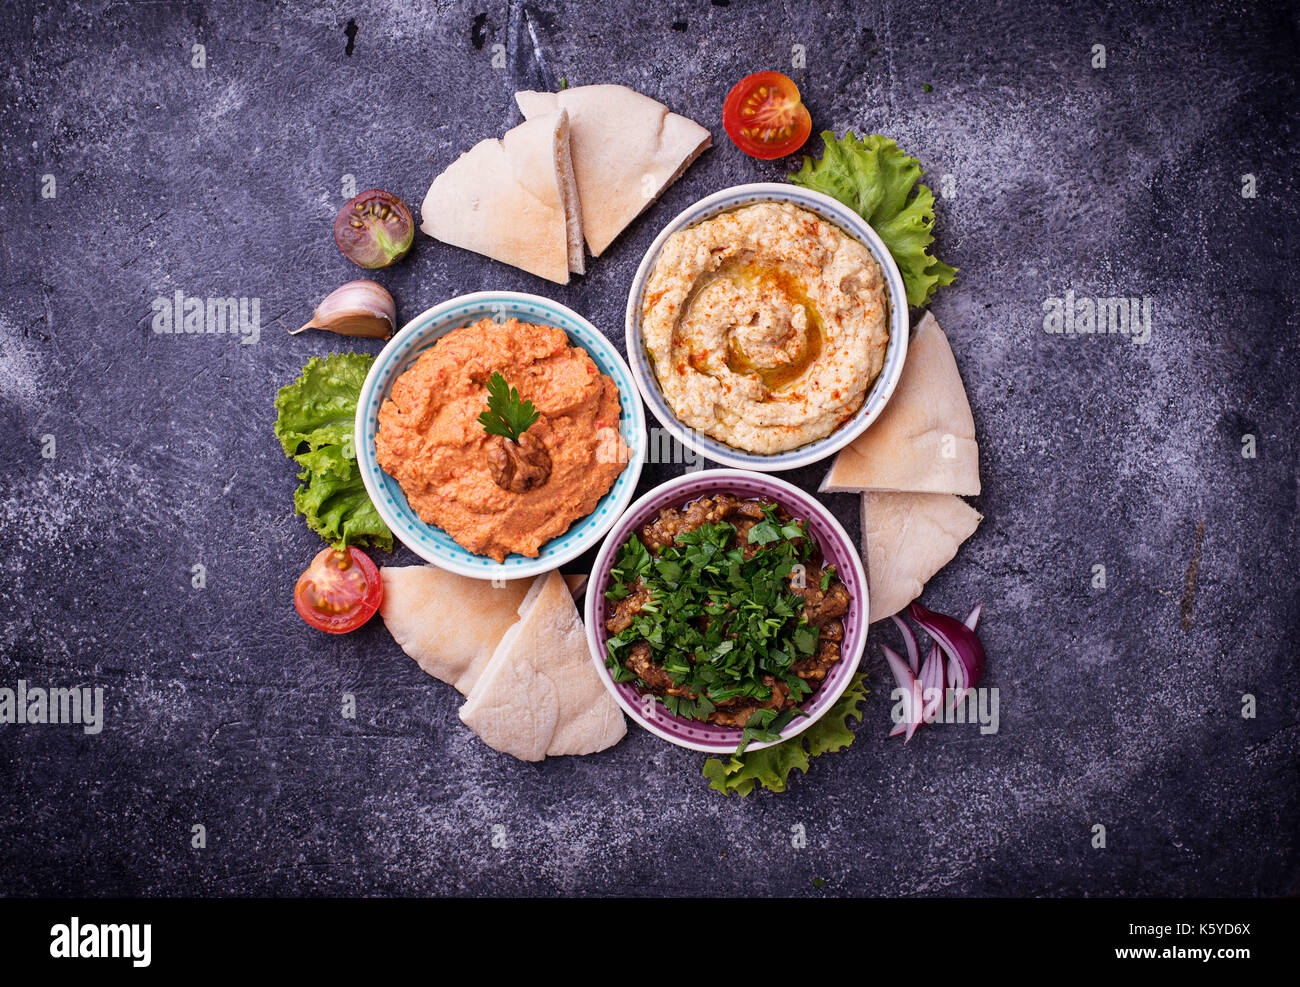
(765, 116)
(339, 592)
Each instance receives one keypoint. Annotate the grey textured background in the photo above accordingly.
(1119, 707)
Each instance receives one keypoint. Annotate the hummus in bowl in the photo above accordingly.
(767, 326)
(458, 496)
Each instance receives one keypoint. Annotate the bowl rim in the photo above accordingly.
(881, 390)
(491, 570)
(615, 537)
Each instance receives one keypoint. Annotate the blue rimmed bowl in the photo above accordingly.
(432, 543)
(896, 353)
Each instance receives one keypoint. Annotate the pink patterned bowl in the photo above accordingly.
(837, 550)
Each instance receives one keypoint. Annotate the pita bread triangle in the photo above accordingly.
(513, 200)
(907, 538)
(924, 440)
(577, 583)
(627, 148)
(540, 695)
(449, 624)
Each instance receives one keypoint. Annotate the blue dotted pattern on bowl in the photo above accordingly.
(846, 220)
(420, 334)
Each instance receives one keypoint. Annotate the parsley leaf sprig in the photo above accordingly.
(508, 414)
(765, 727)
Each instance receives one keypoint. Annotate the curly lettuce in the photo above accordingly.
(314, 423)
(771, 766)
(874, 178)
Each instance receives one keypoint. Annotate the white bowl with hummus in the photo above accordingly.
(480, 504)
(767, 326)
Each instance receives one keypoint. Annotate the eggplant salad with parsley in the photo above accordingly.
(724, 610)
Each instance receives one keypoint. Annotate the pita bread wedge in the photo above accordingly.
(627, 148)
(540, 695)
(569, 197)
(924, 440)
(514, 200)
(908, 537)
(577, 583)
(449, 624)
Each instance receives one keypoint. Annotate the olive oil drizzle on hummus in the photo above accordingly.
(755, 275)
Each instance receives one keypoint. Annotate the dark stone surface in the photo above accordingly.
(1119, 707)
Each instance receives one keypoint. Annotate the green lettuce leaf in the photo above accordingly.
(320, 407)
(339, 510)
(314, 423)
(874, 178)
(771, 766)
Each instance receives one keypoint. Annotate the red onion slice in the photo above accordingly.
(953, 666)
(915, 720)
(961, 644)
(932, 677)
(909, 642)
(907, 682)
(902, 674)
(957, 687)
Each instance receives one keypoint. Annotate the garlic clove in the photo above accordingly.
(358, 308)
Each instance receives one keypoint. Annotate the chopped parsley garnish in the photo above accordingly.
(765, 727)
(716, 621)
(508, 415)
